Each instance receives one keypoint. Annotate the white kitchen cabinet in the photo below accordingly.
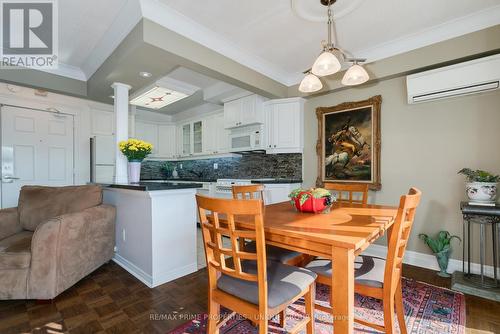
(102, 122)
(191, 138)
(221, 135)
(284, 127)
(215, 136)
(167, 141)
(244, 111)
(197, 137)
(277, 193)
(148, 132)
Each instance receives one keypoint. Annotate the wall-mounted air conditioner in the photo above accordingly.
(466, 78)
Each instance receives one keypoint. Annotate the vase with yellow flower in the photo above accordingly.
(136, 151)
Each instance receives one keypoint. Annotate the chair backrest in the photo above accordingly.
(399, 236)
(217, 220)
(253, 191)
(350, 190)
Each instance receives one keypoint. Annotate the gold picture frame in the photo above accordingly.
(348, 146)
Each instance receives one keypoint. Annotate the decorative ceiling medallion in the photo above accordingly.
(314, 11)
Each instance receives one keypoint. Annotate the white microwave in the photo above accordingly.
(247, 139)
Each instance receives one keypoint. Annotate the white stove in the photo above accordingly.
(223, 187)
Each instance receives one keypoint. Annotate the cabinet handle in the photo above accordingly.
(274, 145)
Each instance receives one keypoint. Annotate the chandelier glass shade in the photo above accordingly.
(310, 84)
(355, 75)
(328, 63)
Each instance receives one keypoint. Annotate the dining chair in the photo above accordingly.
(244, 281)
(276, 254)
(351, 189)
(381, 278)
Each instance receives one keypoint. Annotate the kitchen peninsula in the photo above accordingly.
(155, 229)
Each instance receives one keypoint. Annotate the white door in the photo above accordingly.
(37, 149)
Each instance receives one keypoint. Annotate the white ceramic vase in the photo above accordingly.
(134, 171)
(481, 192)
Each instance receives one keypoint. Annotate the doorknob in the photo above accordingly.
(9, 179)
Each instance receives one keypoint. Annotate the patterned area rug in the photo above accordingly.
(428, 309)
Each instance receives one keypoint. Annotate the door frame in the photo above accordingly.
(54, 111)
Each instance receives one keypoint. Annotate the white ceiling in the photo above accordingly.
(266, 35)
(273, 33)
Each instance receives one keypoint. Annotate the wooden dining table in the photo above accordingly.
(339, 235)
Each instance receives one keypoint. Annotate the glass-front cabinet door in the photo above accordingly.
(186, 139)
(198, 137)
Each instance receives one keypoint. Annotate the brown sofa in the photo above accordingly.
(55, 237)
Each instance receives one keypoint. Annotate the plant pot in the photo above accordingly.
(134, 171)
(482, 192)
(443, 258)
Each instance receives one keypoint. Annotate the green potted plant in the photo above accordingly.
(167, 169)
(481, 186)
(441, 247)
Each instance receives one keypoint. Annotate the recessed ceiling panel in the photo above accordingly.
(157, 98)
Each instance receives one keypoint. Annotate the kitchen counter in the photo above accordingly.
(182, 179)
(204, 180)
(155, 229)
(154, 186)
(275, 181)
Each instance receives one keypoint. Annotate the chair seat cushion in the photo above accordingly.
(15, 251)
(273, 253)
(369, 270)
(284, 283)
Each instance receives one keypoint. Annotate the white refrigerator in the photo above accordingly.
(102, 159)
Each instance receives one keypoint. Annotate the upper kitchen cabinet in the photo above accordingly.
(284, 125)
(191, 138)
(167, 141)
(148, 132)
(245, 111)
(215, 137)
(102, 122)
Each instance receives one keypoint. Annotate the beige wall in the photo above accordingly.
(423, 145)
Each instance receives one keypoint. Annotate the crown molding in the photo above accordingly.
(458, 27)
(455, 28)
(125, 21)
(171, 19)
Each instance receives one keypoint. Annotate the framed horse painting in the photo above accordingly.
(349, 143)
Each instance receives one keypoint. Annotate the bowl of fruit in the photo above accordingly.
(316, 200)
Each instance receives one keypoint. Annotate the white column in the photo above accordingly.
(121, 129)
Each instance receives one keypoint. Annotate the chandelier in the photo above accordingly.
(328, 63)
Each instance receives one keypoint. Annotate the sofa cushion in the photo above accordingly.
(38, 204)
(15, 251)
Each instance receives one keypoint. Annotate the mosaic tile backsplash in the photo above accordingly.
(254, 166)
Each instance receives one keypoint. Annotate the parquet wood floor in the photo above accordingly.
(110, 300)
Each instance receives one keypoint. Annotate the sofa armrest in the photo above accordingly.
(69, 247)
(9, 222)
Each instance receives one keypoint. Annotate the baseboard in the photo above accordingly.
(428, 261)
(161, 278)
(134, 270)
